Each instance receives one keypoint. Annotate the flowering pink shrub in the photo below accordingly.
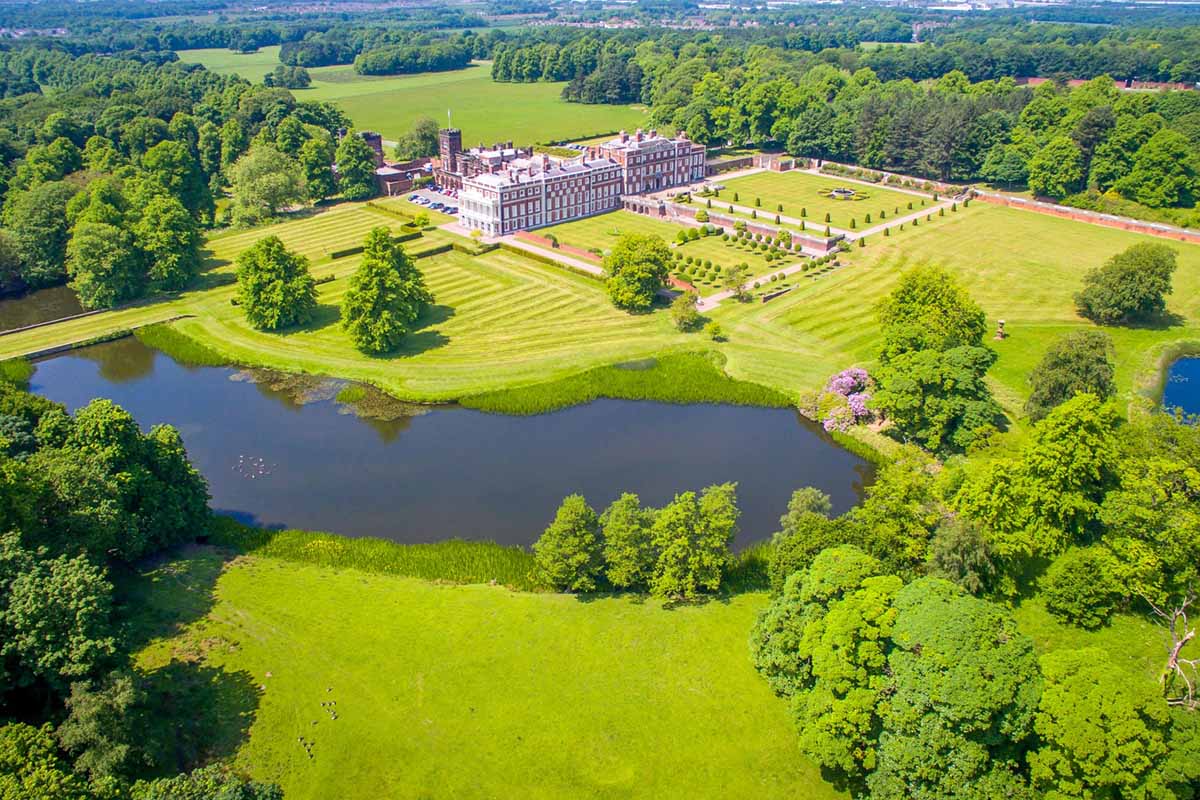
(844, 402)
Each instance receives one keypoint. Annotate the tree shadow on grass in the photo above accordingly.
(423, 336)
(324, 315)
(164, 594)
(198, 714)
(1159, 322)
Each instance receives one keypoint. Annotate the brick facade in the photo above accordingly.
(505, 189)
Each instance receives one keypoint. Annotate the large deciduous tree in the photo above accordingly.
(355, 167)
(628, 550)
(263, 182)
(692, 536)
(962, 690)
(1058, 169)
(929, 310)
(637, 268)
(275, 288)
(386, 296)
(1075, 363)
(104, 264)
(37, 220)
(1132, 286)
(1101, 733)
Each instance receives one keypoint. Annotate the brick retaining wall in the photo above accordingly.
(542, 241)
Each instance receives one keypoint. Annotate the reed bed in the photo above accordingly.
(183, 349)
(16, 371)
(675, 378)
(456, 560)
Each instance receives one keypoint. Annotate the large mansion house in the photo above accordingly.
(503, 189)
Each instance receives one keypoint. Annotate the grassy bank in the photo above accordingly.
(456, 560)
(675, 378)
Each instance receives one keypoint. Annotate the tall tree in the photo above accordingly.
(37, 220)
(386, 296)
(628, 550)
(275, 288)
(692, 536)
(316, 160)
(568, 552)
(105, 265)
(929, 310)
(1077, 362)
(265, 181)
(355, 167)
(1132, 286)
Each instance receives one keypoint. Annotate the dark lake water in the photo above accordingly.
(43, 305)
(280, 450)
(1183, 386)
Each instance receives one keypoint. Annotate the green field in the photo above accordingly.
(473, 691)
(602, 231)
(503, 320)
(486, 111)
(447, 690)
(798, 191)
(1027, 280)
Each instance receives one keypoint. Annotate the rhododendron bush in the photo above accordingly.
(843, 402)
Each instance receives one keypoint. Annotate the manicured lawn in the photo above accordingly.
(799, 191)
(603, 231)
(500, 319)
(485, 110)
(471, 691)
(1028, 280)
(503, 320)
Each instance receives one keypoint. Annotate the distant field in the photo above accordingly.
(801, 191)
(486, 111)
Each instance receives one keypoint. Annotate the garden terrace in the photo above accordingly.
(602, 231)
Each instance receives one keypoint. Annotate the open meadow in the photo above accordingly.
(485, 110)
(388, 686)
(805, 192)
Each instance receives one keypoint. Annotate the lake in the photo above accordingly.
(281, 450)
(1182, 389)
(44, 305)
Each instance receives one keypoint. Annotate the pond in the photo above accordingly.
(280, 450)
(43, 305)
(1182, 389)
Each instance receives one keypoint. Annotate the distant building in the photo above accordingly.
(505, 189)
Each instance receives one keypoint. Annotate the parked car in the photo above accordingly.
(452, 210)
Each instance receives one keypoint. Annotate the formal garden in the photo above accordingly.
(803, 195)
